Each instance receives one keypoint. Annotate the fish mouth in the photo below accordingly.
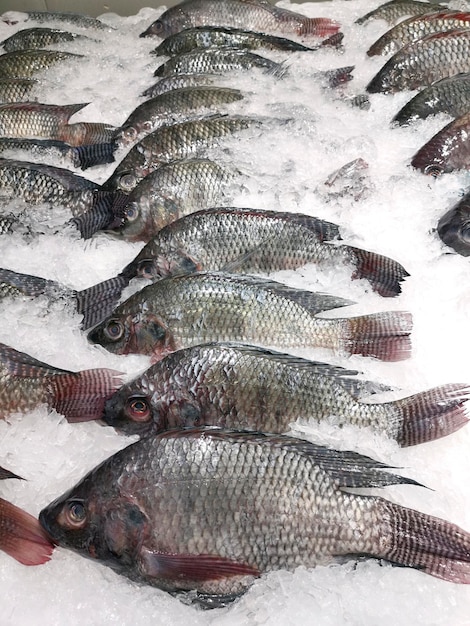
(44, 521)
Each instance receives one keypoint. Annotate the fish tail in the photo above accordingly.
(319, 27)
(334, 41)
(338, 76)
(383, 273)
(22, 537)
(98, 217)
(426, 543)
(97, 302)
(432, 414)
(381, 335)
(81, 396)
(94, 154)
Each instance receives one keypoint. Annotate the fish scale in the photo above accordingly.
(35, 120)
(16, 89)
(27, 63)
(31, 38)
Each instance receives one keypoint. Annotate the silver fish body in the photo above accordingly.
(396, 10)
(31, 38)
(45, 17)
(17, 89)
(28, 63)
(34, 120)
(454, 226)
(209, 510)
(180, 81)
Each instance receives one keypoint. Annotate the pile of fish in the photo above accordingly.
(201, 343)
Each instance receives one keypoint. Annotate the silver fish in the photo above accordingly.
(31, 38)
(28, 63)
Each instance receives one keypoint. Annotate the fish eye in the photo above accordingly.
(130, 133)
(138, 409)
(131, 213)
(75, 513)
(114, 330)
(433, 170)
(127, 181)
(145, 268)
(157, 26)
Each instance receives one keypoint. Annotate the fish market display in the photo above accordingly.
(184, 389)
(30, 38)
(211, 510)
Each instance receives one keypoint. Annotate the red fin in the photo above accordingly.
(22, 537)
(382, 335)
(383, 273)
(81, 396)
(193, 567)
(319, 26)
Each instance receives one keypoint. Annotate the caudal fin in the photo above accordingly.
(98, 301)
(22, 537)
(432, 414)
(427, 543)
(383, 273)
(81, 396)
(381, 335)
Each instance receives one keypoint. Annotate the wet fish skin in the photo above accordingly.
(34, 120)
(416, 27)
(175, 106)
(16, 89)
(218, 60)
(209, 510)
(447, 150)
(88, 134)
(75, 19)
(207, 36)
(31, 38)
(180, 81)
(27, 63)
(396, 10)
(259, 16)
(201, 386)
(454, 226)
(13, 284)
(451, 96)
(184, 311)
(171, 191)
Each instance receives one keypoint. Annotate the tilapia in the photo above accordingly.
(450, 96)
(184, 311)
(172, 143)
(26, 383)
(171, 191)
(416, 27)
(44, 17)
(34, 120)
(28, 63)
(422, 62)
(31, 38)
(454, 226)
(201, 386)
(397, 10)
(218, 61)
(209, 510)
(175, 106)
(448, 150)
(256, 241)
(259, 16)
(180, 81)
(16, 89)
(207, 36)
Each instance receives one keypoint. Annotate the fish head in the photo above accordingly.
(131, 411)
(164, 265)
(454, 229)
(170, 22)
(133, 221)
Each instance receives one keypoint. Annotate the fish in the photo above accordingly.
(174, 106)
(416, 27)
(183, 311)
(203, 512)
(254, 15)
(451, 96)
(422, 62)
(172, 143)
(88, 134)
(447, 150)
(218, 60)
(34, 120)
(257, 241)
(31, 38)
(179, 81)
(454, 226)
(396, 10)
(171, 191)
(201, 386)
(74, 19)
(4, 474)
(28, 63)
(208, 36)
(17, 89)
(26, 383)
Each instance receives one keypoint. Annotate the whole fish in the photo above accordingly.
(447, 150)
(31, 38)
(218, 61)
(208, 36)
(422, 62)
(454, 227)
(174, 106)
(450, 95)
(256, 241)
(21, 535)
(172, 143)
(209, 510)
(416, 27)
(16, 89)
(396, 10)
(259, 16)
(201, 386)
(184, 311)
(34, 120)
(171, 191)
(26, 383)
(180, 81)
(44, 17)
(27, 63)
